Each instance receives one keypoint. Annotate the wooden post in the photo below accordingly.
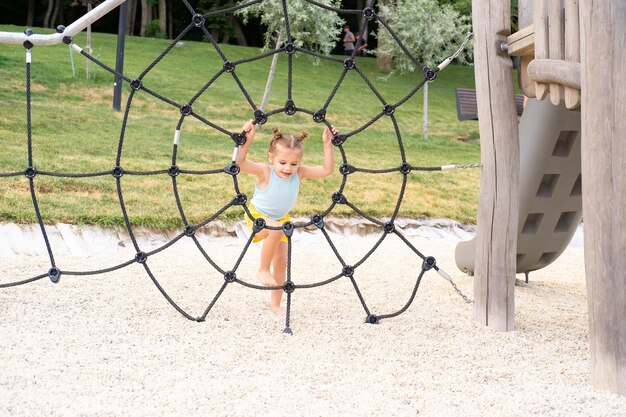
(498, 206)
(603, 107)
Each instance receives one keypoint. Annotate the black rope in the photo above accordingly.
(186, 109)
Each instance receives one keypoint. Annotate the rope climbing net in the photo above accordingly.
(231, 170)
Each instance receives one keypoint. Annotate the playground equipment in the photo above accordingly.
(550, 187)
(576, 56)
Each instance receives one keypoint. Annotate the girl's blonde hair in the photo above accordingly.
(287, 140)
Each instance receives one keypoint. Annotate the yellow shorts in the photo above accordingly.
(256, 214)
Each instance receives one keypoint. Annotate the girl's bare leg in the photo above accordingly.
(279, 272)
(270, 244)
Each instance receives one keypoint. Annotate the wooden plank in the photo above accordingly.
(496, 241)
(522, 42)
(540, 24)
(604, 194)
(556, 31)
(555, 71)
(524, 81)
(572, 48)
(524, 13)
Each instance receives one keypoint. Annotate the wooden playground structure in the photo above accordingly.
(574, 54)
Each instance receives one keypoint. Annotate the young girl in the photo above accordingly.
(276, 192)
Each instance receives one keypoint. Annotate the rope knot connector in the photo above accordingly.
(429, 73)
(141, 257)
(405, 168)
(319, 116)
(30, 172)
(259, 224)
(288, 229)
(289, 287)
(338, 139)
(346, 169)
(372, 319)
(230, 277)
(339, 198)
(318, 221)
(117, 172)
(136, 84)
(240, 199)
(67, 40)
(260, 117)
(429, 263)
(389, 227)
(229, 66)
(389, 109)
(348, 63)
(290, 48)
(185, 109)
(347, 271)
(173, 171)
(54, 274)
(238, 138)
(198, 20)
(190, 230)
(232, 169)
(369, 13)
(290, 108)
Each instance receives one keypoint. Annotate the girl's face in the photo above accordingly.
(285, 161)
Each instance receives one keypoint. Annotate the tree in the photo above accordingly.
(429, 31)
(310, 26)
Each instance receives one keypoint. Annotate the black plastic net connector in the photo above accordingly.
(173, 171)
(28, 44)
(30, 172)
(240, 199)
(372, 319)
(258, 225)
(339, 198)
(405, 168)
(136, 84)
(238, 138)
(290, 108)
(338, 139)
(288, 229)
(197, 20)
(369, 13)
(141, 257)
(429, 73)
(54, 274)
(117, 172)
(232, 169)
(389, 109)
(347, 271)
(389, 227)
(429, 263)
(288, 331)
(348, 63)
(67, 40)
(289, 287)
(346, 169)
(230, 277)
(190, 230)
(290, 48)
(229, 66)
(29, 31)
(318, 221)
(200, 319)
(186, 109)
(60, 29)
(260, 117)
(319, 116)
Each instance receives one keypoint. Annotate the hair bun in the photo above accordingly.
(277, 134)
(301, 136)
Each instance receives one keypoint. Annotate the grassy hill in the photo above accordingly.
(75, 130)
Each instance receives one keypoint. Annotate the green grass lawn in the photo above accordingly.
(75, 130)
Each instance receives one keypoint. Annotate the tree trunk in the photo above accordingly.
(46, 19)
(57, 16)
(384, 62)
(170, 26)
(270, 76)
(30, 17)
(241, 37)
(162, 17)
(146, 17)
(130, 18)
(603, 129)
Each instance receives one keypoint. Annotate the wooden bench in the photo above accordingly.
(466, 108)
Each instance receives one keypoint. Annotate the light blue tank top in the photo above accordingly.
(278, 197)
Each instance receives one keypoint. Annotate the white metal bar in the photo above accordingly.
(76, 27)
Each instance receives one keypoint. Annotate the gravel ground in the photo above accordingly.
(111, 345)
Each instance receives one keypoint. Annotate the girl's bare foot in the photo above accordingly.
(266, 278)
(278, 310)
